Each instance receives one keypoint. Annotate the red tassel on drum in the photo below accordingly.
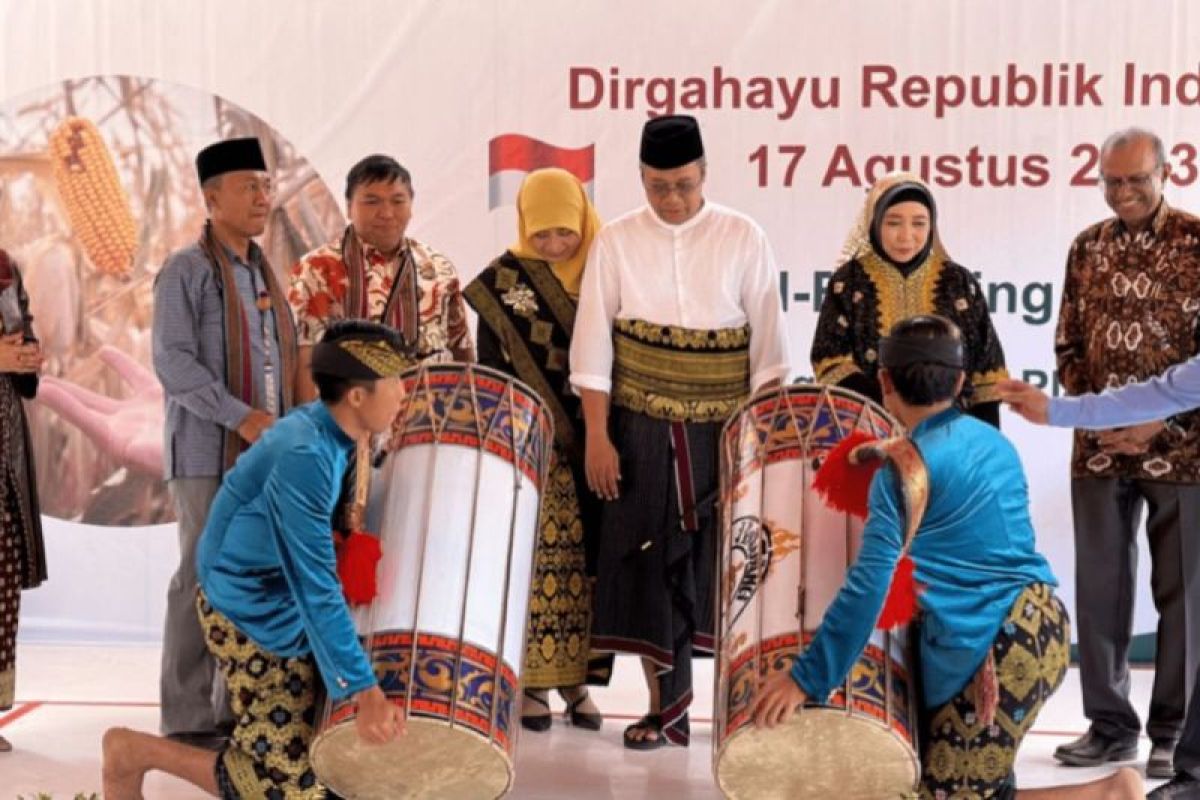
(901, 604)
(846, 485)
(358, 556)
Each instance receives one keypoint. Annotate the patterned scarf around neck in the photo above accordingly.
(401, 311)
(239, 378)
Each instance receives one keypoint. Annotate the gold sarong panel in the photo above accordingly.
(680, 374)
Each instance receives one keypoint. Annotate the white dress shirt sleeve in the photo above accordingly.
(599, 302)
(769, 359)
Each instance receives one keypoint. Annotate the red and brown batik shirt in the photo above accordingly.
(319, 286)
(1130, 309)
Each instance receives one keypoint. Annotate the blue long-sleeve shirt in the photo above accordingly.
(266, 558)
(974, 552)
(1175, 391)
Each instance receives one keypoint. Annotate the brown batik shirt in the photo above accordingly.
(1130, 308)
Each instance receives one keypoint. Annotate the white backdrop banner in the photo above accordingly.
(1001, 106)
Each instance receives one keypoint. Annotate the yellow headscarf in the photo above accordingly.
(554, 198)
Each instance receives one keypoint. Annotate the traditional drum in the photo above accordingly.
(783, 558)
(460, 501)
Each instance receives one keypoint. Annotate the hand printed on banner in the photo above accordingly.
(98, 187)
(128, 429)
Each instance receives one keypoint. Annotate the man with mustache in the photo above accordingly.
(1129, 312)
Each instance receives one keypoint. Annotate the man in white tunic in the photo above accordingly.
(679, 319)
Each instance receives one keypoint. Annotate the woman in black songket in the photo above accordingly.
(894, 266)
(22, 554)
(526, 302)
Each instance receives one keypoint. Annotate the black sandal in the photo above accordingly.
(650, 722)
(588, 720)
(539, 723)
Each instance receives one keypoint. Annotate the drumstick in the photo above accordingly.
(362, 484)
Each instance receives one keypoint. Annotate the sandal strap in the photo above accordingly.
(540, 699)
(649, 722)
(573, 705)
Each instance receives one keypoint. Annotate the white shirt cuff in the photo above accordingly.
(778, 371)
(599, 383)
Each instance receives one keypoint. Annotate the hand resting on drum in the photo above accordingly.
(778, 700)
(379, 720)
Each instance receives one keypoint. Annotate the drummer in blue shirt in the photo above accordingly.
(992, 628)
(270, 602)
(1174, 392)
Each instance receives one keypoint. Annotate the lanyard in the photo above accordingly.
(270, 382)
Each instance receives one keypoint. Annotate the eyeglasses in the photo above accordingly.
(254, 186)
(663, 189)
(1140, 181)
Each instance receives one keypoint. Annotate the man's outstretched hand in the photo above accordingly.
(129, 429)
(1030, 402)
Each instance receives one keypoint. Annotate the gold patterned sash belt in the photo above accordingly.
(680, 374)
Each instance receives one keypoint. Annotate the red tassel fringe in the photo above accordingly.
(358, 556)
(846, 487)
(843, 485)
(901, 604)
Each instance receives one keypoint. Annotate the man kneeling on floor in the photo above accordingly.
(270, 602)
(994, 638)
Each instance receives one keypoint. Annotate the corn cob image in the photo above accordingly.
(96, 203)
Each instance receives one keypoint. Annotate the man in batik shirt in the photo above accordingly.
(373, 271)
(1130, 307)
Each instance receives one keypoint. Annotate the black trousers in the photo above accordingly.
(1107, 513)
(1187, 753)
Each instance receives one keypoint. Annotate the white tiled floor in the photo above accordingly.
(67, 696)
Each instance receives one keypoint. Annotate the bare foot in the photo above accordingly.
(121, 774)
(1125, 784)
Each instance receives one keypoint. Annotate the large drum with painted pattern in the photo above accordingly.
(783, 557)
(459, 495)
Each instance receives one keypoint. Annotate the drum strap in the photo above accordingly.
(358, 552)
(356, 513)
(900, 605)
(913, 478)
(844, 479)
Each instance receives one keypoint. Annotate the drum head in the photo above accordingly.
(432, 760)
(820, 753)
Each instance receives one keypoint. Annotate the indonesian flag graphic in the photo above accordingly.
(512, 155)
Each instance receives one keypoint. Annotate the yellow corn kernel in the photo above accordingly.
(96, 203)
